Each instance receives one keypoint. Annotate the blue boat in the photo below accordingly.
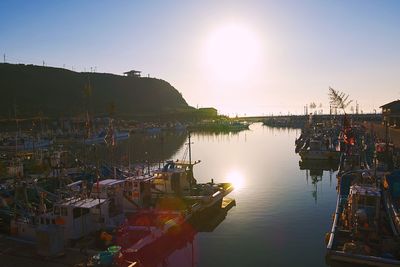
(102, 137)
(24, 144)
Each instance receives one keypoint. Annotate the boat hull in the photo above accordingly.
(340, 256)
(319, 155)
(101, 139)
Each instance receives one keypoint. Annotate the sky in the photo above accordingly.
(242, 57)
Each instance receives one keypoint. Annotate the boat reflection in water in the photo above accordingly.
(315, 170)
(178, 248)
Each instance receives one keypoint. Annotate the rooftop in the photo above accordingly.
(86, 203)
(391, 104)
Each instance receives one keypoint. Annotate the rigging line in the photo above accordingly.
(185, 153)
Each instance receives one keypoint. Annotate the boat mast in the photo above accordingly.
(190, 150)
(191, 178)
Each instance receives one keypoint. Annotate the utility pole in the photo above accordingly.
(357, 107)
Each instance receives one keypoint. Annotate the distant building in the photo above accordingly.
(133, 73)
(391, 113)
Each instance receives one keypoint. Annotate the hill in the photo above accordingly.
(57, 92)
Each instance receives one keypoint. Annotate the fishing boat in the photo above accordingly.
(360, 232)
(300, 142)
(74, 216)
(391, 194)
(176, 179)
(320, 149)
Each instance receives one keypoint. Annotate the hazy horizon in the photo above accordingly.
(253, 57)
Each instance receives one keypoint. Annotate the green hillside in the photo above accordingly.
(59, 92)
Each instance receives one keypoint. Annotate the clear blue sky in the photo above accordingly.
(302, 47)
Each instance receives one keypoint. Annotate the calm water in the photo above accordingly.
(282, 213)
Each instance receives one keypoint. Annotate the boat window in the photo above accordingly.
(96, 210)
(78, 212)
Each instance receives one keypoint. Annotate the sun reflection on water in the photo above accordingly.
(236, 178)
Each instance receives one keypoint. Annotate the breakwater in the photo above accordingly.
(298, 121)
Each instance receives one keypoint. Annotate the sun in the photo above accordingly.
(231, 52)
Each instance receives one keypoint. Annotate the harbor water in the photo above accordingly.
(282, 211)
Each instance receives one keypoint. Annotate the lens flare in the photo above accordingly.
(236, 178)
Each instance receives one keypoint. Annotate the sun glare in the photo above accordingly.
(231, 52)
(236, 178)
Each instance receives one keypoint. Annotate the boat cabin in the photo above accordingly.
(80, 217)
(75, 216)
(137, 192)
(174, 178)
(112, 190)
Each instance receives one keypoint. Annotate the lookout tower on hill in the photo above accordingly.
(133, 73)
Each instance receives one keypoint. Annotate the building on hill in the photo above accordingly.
(391, 113)
(133, 73)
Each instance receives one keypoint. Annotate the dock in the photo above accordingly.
(228, 203)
